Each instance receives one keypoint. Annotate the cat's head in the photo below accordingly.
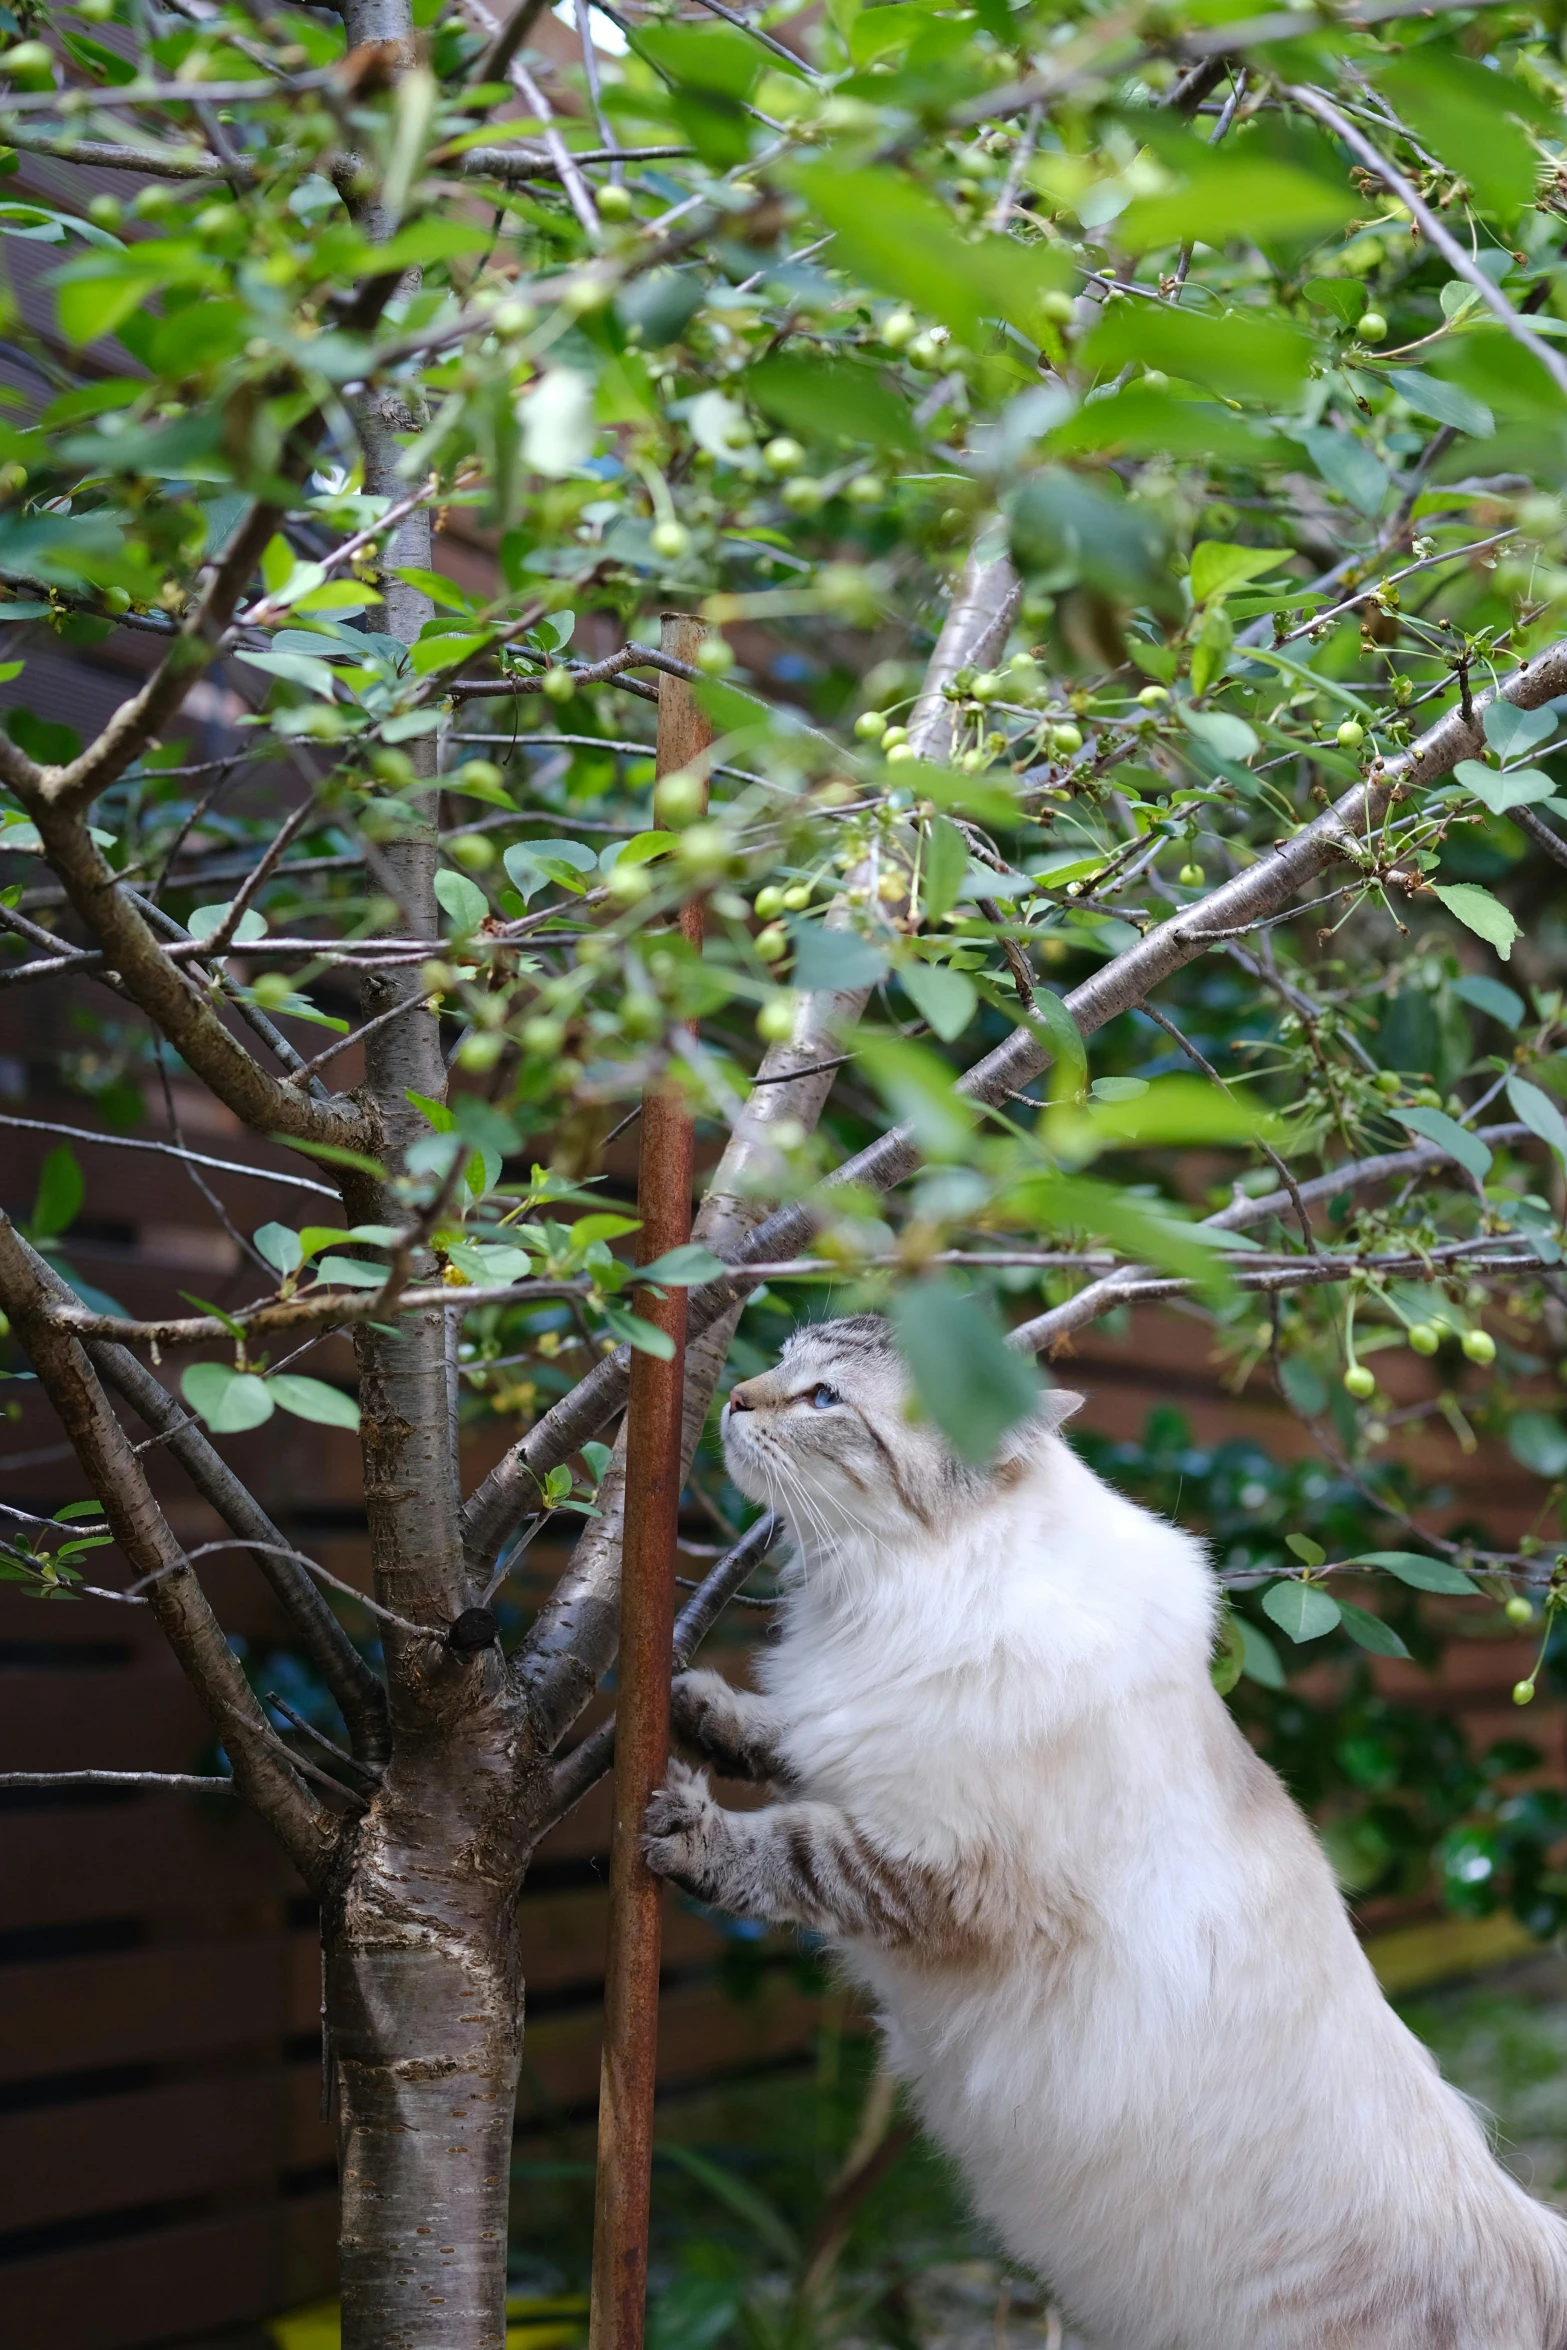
(827, 1437)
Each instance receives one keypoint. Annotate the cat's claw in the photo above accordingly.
(678, 1827)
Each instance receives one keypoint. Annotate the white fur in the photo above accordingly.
(1169, 2076)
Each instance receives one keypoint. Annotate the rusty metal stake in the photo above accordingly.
(647, 1603)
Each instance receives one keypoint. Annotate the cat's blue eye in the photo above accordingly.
(822, 1398)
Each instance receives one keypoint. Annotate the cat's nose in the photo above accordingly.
(740, 1400)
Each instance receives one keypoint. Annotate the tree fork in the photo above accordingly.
(654, 1475)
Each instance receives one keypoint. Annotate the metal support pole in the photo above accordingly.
(647, 1601)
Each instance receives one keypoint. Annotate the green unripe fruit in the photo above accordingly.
(393, 767)
(1360, 1383)
(627, 883)
(1155, 380)
(106, 211)
(1427, 1098)
(474, 851)
(216, 220)
(769, 901)
(585, 295)
(1152, 695)
(641, 1015)
(5, 1325)
(480, 1049)
(272, 990)
(775, 1021)
(1066, 740)
(614, 203)
(1523, 1693)
(972, 761)
(1388, 1081)
(1372, 327)
(1351, 735)
(155, 203)
(704, 849)
(866, 489)
(670, 540)
(679, 798)
(1424, 1337)
(116, 599)
(1191, 877)
(898, 329)
(714, 657)
(798, 894)
(29, 64)
(871, 725)
(96, 11)
(543, 1037)
(1057, 307)
(925, 351)
(891, 735)
(901, 753)
(558, 682)
(802, 493)
(1479, 1346)
(987, 686)
(784, 455)
(772, 944)
(478, 775)
(1519, 1610)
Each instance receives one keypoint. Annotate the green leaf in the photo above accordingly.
(531, 865)
(1369, 1631)
(1539, 1113)
(1237, 196)
(1478, 911)
(61, 1190)
(1220, 732)
(205, 921)
(1539, 1441)
(1216, 568)
(228, 1400)
(893, 236)
(1519, 787)
(604, 1226)
(1491, 997)
(76, 1510)
(463, 900)
(970, 1381)
(1464, 114)
(1349, 468)
(1117, 1089)
(831, 961)
(1262, 1663)
(1241, 353)
(1054, 1027)
(1303, 1610)
(1461, 1145)
(1418, 1571)
(683, 1267)
(831, 400)
(333, 1154)
(1309, 1553)
(766, 2223)
(313, 1399)
(645, 1337)
(1443, 402)
(350, 1273)
(946, 1000)
(942, 867)
(920, 1091)
(1170, 1113)
(280, 1246)
(1513, 732)
(1065, 529)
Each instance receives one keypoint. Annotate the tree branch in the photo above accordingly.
(261, 1763)
(1260, 892)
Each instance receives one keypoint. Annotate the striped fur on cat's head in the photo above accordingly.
(828, 1437)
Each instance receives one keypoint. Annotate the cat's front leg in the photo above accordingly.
(792, 1864)
(732, 1729)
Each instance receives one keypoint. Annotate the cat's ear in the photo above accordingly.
(1055, 1407)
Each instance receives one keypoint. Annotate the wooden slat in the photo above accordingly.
(141, 2290)
(147, 1855)
(156, 2005)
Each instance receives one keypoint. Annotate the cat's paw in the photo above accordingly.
(681, 1827)
(697, 1701)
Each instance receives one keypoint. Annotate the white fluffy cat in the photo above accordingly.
(1110, 1959)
